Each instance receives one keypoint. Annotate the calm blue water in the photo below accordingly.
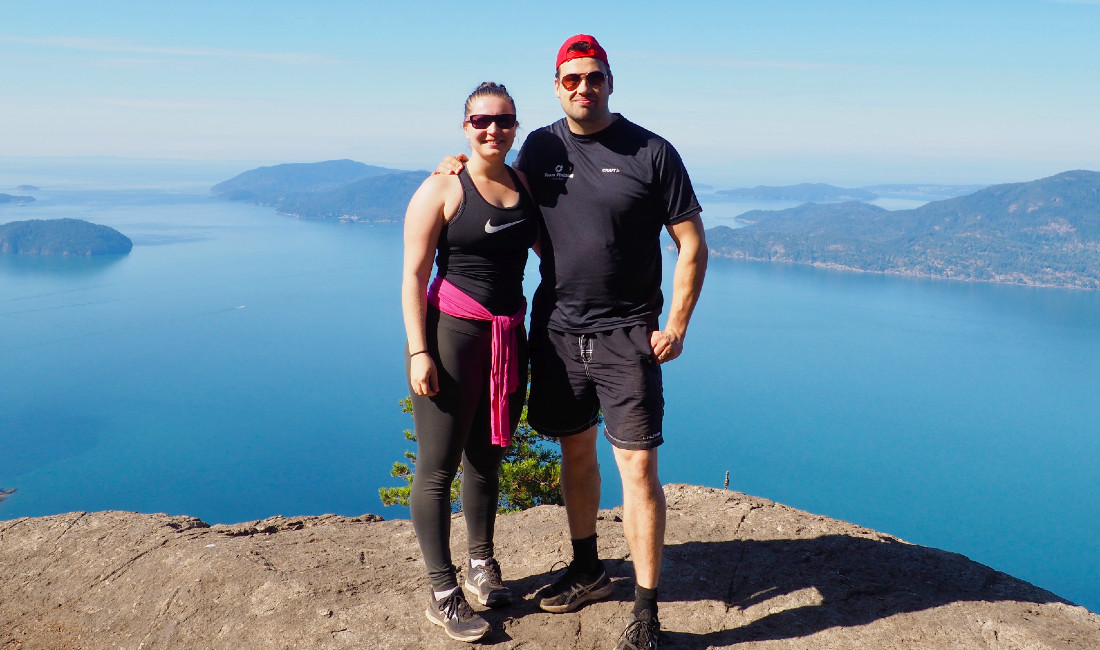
(239, 364)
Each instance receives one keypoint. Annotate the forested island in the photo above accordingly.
(6, 493)
(345, 190)
(62, 237)
(1044, 232)
(13, 198)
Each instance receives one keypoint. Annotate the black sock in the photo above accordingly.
(585, 555)
(645, 600)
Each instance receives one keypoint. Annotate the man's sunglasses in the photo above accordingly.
(595, 79)
(504, 120)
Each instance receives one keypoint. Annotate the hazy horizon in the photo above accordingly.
(123, 173)
(771, 94)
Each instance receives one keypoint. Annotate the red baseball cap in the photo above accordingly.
(593, 51)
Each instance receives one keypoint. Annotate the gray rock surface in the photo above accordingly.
(739, 572)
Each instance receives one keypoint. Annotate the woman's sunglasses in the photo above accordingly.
(595, 80)
(504, 120)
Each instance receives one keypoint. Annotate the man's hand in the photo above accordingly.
(666, 345)
(451, 164)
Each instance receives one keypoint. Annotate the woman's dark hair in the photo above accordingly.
(489, 89)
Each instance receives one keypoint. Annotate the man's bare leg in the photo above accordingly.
(643, 512)
(580, 482)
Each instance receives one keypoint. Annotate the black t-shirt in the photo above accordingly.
(482, 250)
(604, 200)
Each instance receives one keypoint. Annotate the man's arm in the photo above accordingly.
(687, 282)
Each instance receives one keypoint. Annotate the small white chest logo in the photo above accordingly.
(490, 228)
(561, 173)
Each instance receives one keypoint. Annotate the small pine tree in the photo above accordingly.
(530, 474)
(406, 470)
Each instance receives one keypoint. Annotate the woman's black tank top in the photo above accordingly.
(482, 250)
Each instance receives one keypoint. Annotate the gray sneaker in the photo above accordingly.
(455, 616)
(486, 585)
(641, 634)
(574, 589)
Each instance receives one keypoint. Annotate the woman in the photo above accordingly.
(467, 351)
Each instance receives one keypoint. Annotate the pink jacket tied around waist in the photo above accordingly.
(504, 368)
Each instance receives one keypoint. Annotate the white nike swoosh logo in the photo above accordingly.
(490, 228)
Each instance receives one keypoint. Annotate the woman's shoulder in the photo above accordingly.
(440, 182)
(438, 195)
(439, 187)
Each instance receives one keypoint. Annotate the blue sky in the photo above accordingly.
(750, 93)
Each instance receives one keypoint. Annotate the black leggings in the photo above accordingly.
(453, 426)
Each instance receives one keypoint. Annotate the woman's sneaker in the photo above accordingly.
(486, 585)
(455, 616)
(575, 588)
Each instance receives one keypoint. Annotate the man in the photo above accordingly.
(606, 188)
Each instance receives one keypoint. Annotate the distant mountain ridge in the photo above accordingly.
(922, 190)
(800, 192)
(818, 192)
(336, 189)
(1044, 232)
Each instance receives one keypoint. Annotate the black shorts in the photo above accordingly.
(574, 376)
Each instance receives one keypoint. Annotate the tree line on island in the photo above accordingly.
(62, 237)
(57, 236)
(345, 190)
(1044, 232)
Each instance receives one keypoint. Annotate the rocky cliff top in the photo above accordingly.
(739, 571)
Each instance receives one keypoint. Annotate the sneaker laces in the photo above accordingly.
(455, 606)
(492, 570)
(562, 573)
(561, 566)
(642, 632)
